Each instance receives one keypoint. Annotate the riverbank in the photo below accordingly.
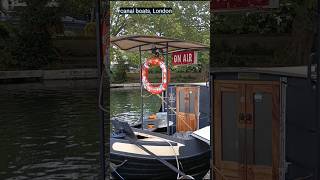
(38, 75)
(133, 79)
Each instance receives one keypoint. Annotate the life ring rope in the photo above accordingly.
(155, 61)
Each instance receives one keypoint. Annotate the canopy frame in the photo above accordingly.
(165, 43)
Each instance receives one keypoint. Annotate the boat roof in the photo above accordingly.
(293, 71)
(190, 84)
(132, 43)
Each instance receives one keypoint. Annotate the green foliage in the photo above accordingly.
(4, 32)
(276, 21)
(154, 70)
(33, 51)
(190, 21)
(119, 74)
(6, 60)
(82, 9)
(90, 29)
(186, 69)
(283, 36)
(32, 47)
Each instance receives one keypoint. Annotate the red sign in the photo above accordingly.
(236, 5)
(184, 57)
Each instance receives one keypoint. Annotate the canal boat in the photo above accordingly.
(188, 110)
(143, 154)
(189, 155)
(265, 123)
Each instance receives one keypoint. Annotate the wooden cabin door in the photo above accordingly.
(246, 130)
(187, 108)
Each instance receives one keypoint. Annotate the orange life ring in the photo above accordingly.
(155, 61)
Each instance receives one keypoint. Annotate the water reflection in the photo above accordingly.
(126, 104)
(50, 130)
(49, 133)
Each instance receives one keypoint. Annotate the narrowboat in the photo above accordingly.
(265, 123)
(189, 155)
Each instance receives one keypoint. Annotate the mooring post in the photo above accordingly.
(141, 88)
(100, 68)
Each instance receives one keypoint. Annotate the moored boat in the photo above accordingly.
(189, 155)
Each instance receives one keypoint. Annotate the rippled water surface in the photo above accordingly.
(126, 104)
(50, 130)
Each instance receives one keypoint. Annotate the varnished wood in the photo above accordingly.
(263, 172)
(247, 171)
(232, 170)
(187, 121)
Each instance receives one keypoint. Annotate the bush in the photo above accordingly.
(32, 47)
(187, 68)
(119, 74)
(4, 32)
(90, 29)
(33, 51)
(154, 70)
(6, 39)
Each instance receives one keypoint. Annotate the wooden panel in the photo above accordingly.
(258, 172)
(187, 120)
(246, 170)
(230, 170)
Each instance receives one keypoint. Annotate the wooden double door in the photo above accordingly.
(246, 130)
(187, 108)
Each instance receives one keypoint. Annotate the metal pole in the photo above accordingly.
(211, 103)
(211, 90)
(167, 99)
(141, 88)
(100, 65)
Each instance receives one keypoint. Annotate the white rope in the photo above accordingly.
(176, 157)
(170, 107)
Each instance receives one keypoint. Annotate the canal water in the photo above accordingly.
(50, 130)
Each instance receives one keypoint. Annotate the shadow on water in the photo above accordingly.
(49, 131)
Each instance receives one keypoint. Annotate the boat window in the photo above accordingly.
(191, 102)
(263, 128)
(181, 101)
(230, 132)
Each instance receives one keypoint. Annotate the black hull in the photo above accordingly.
(194, 159)
(137, 168)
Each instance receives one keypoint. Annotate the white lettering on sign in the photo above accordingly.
(177, 58)
(187, 58)
(184, 58)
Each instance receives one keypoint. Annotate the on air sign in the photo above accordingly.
(184, 57)
(238, 5)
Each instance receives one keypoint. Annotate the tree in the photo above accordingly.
(190, 21)
(293, 18)
(82, 9)
(33, 46)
